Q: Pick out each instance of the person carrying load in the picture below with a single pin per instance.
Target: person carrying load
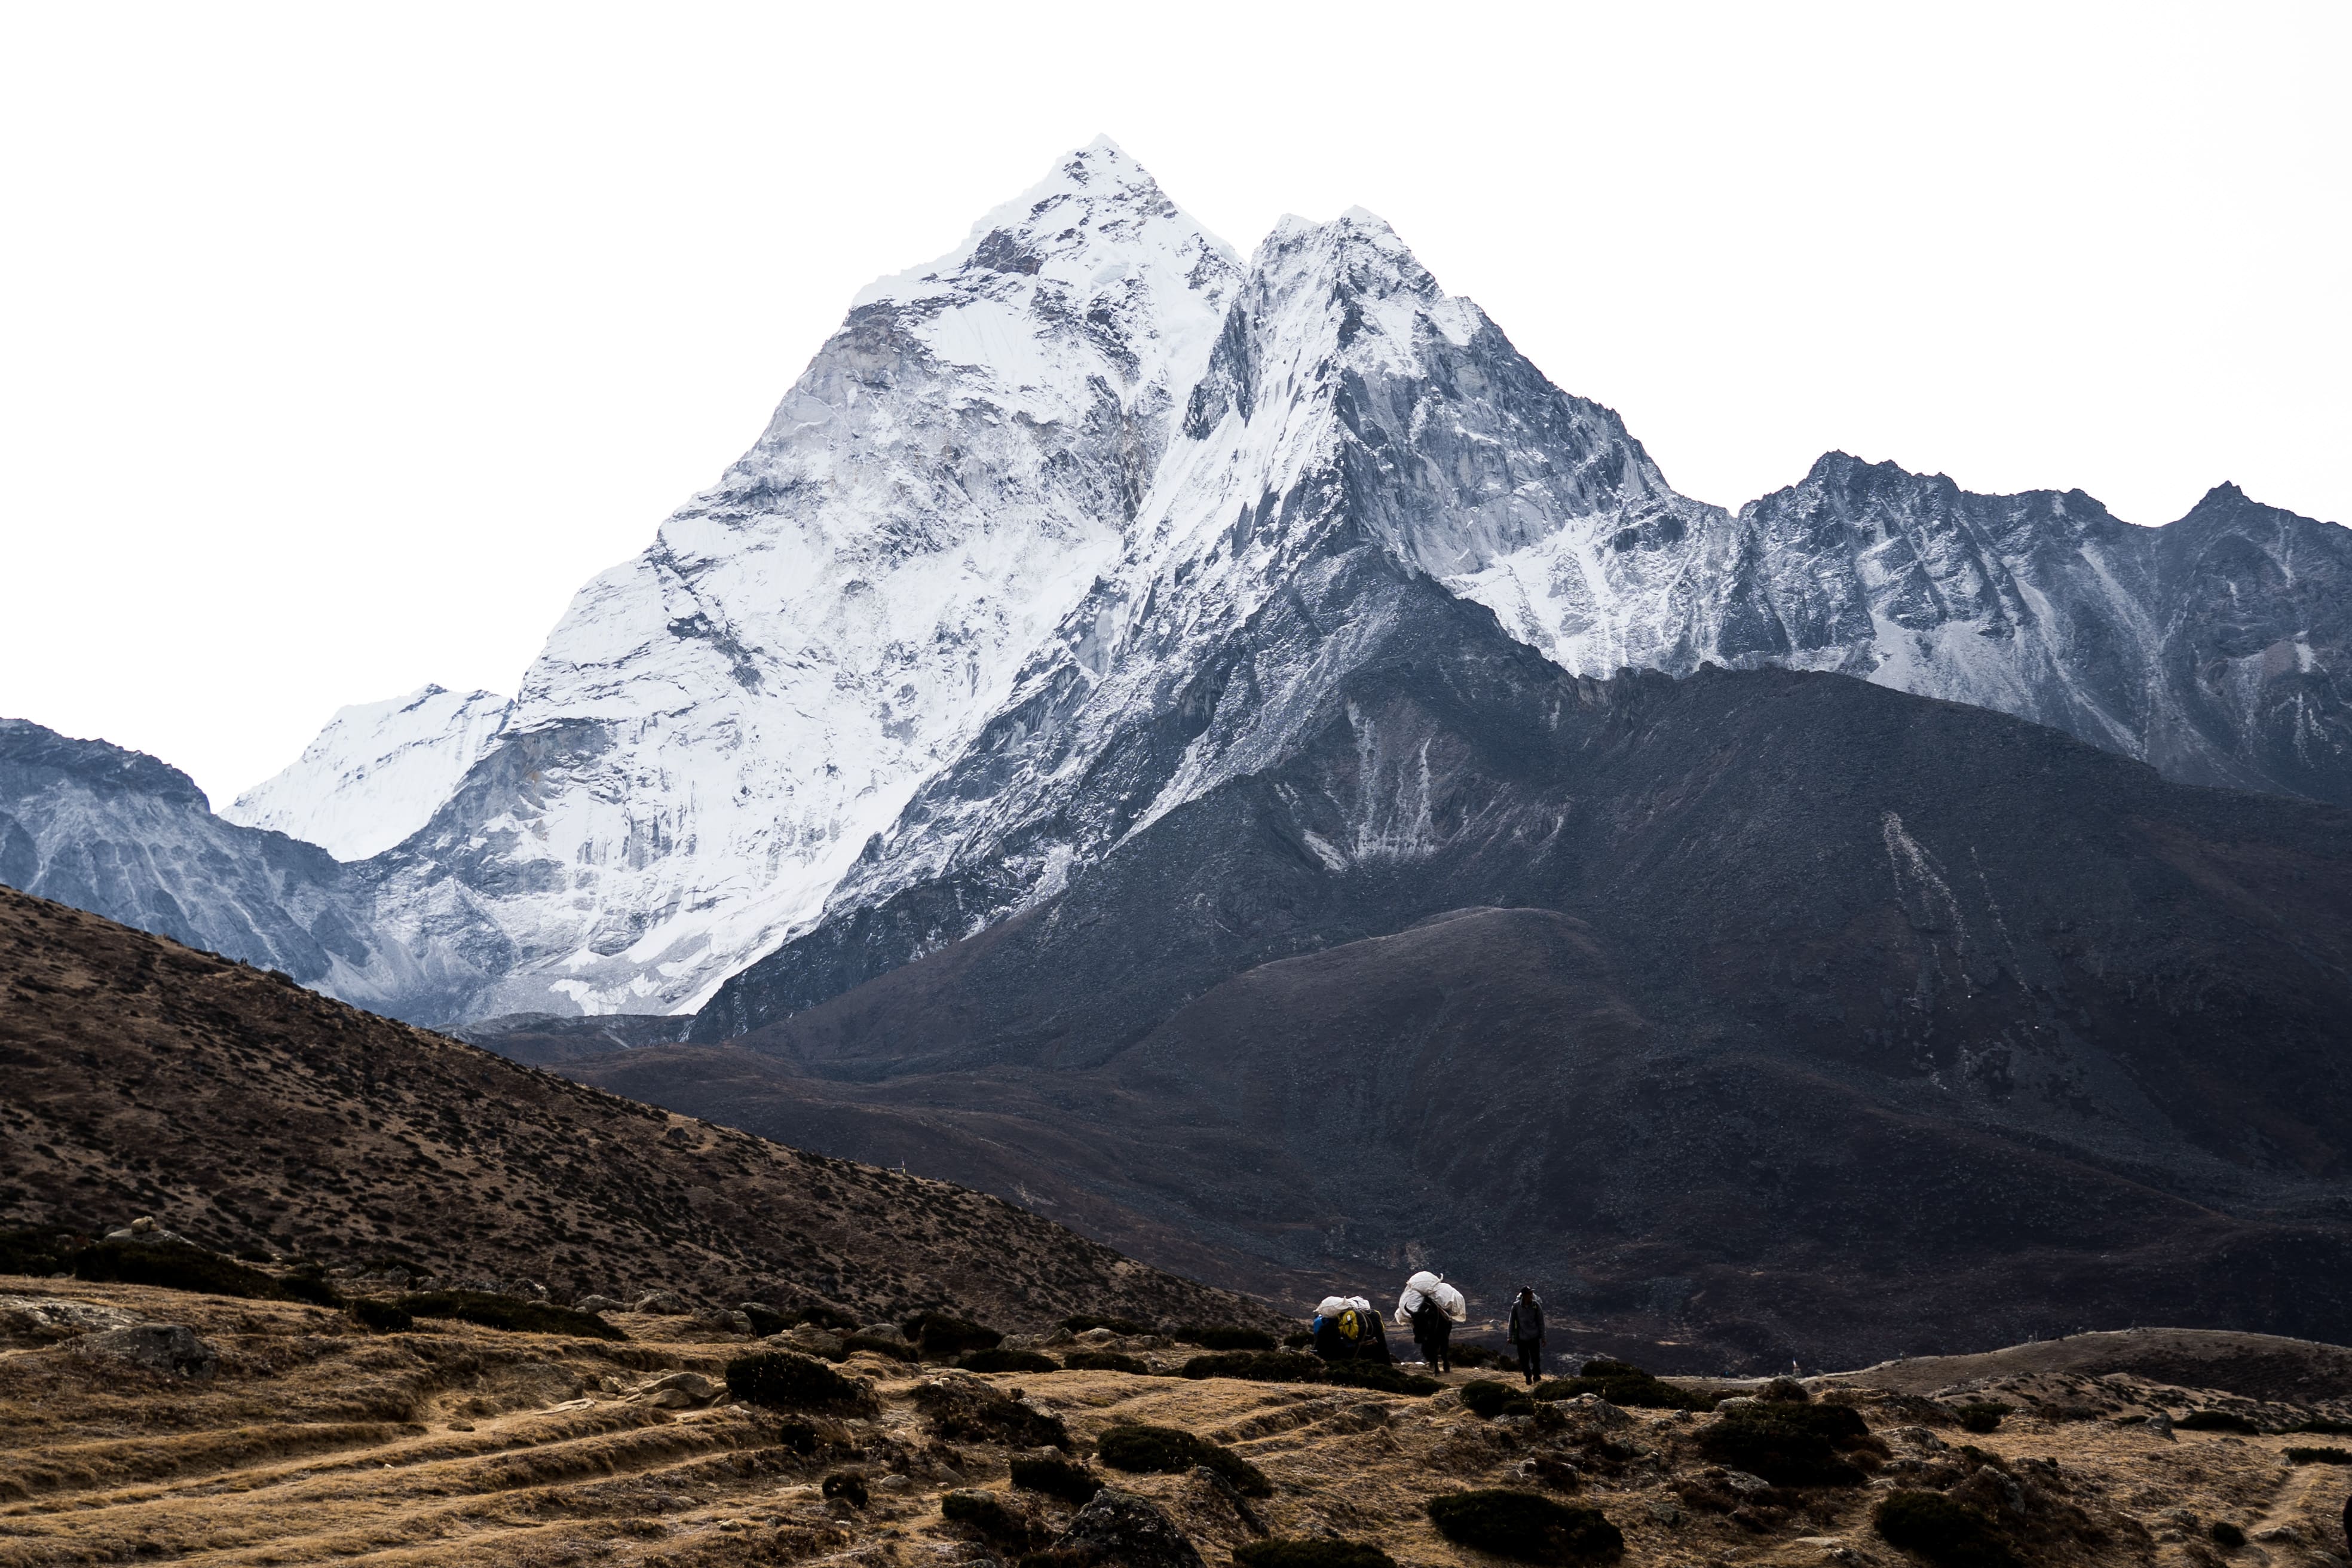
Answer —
(1347, 1328)
(1431, 1307)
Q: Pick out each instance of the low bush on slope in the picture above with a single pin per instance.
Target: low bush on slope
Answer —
(1167, 1451)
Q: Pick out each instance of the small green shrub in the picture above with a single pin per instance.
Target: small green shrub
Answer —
(171, 1267)
(1082, 1323)
(1167, 1451)
(2319, 1423)
(1001, 1360)
(309, 1283)
(382, 1317)
(896, 1350)
(966, 1410)
(1982, 1415)
(1525, 1526)
(2319, 1456)
(986, 1512)
(1788, 1445)
(1055, 1477)
(1105, 1361)
(1947, 1533)
(2227, 1536)
(943, 1338)
(1621, 1382)
(847, 1485)
(1258, 1366)
(507, 1314)
(1062, 1557)
(2217, 1421)
(1472, 1355)
(1227, 1339)
(784, 1380)
(1382, 1377)
(1488, 1399)
(1279, 1553)
(40, 1250)
(795, 1435)
(1297, 1340)
(823, 1317)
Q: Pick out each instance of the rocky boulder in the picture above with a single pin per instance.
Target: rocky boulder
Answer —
(165, 1348)
(1120, 1528)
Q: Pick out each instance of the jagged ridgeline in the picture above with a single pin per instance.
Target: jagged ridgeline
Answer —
(1039, 475)
(1164, 736)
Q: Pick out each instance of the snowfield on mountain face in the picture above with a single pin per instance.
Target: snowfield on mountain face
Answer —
(1356, 422)
(1048, 541)
(377, 772)
(716, 727)
(1351, 404)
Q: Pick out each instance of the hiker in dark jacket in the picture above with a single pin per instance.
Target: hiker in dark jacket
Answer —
(1527, 1334)
(1433, 1330)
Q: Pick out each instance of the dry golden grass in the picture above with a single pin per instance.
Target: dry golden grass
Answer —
(315, 1442)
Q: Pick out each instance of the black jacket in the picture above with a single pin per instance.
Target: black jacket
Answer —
(1527, 1322)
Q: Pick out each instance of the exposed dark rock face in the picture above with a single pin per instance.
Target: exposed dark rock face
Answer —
(1764, 1012)
(2213, 648)
(133, 838)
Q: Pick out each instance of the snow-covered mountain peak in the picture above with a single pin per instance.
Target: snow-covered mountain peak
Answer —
(1092, 252)
(376, 772)
(715, 727)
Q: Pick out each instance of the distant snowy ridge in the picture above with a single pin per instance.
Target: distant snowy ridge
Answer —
(1075, 523)
(1357, 427)
(377, 772)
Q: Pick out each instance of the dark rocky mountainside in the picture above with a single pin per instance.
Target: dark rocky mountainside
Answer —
(132, 837)
(244, 1112)
(1764, 1013)
(1306, 903)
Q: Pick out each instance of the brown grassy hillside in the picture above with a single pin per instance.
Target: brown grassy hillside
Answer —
(313, 1442)
(250, 1115)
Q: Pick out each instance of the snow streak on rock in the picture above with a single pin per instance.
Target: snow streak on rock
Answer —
(1356, 425)
(1079, 522)
(716, 727)
(122, 835)
(377, 772)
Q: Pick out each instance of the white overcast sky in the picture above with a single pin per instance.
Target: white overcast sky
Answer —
(339, 344)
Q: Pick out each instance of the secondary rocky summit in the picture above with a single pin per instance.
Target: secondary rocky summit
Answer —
(1089, 443)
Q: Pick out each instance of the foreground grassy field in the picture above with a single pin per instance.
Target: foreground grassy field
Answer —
(311, 1440)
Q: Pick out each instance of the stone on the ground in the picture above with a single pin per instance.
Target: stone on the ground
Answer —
(156, 1347)
(598, 1304)
(53, 1318)
(666, 1303)
(811, 1341)
(1120, 1528)
(680, 1389)
(145, 1231)
(726, 1319)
